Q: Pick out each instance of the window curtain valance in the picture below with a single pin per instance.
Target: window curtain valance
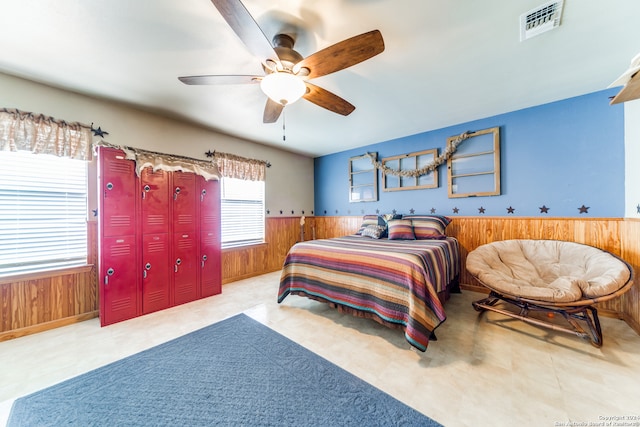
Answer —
(232, 166)
(40, 134)
(167, 162)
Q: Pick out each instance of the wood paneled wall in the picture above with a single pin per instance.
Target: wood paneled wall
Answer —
(41, 303)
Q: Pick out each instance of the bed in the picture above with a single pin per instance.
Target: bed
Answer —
(400, 283)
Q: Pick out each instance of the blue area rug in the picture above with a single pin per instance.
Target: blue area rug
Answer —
(237, 372)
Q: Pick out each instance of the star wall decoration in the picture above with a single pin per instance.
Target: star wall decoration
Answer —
(544, 209)
(98, 132)
(394, 211)
(510, 210)
(210, 153)
(378, 211)
(280, 212)
(433, 210)
(456, 210)
(268, 212)
(412, 211)
(638, 208)
(584, 209)
(481, 210)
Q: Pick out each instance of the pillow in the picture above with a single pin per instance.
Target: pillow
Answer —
(429, 226)
(401, 229)
(370, 220)
(374, 231)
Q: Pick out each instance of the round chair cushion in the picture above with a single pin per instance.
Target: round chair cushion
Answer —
(547, 270)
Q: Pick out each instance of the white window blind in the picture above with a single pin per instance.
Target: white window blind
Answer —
(43, 208)
(242, 212)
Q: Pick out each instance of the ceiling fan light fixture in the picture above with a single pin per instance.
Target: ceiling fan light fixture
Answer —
(283, 87)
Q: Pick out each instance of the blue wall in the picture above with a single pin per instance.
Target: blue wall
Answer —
(561, 155)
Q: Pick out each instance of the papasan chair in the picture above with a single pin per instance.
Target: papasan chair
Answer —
(552, 277)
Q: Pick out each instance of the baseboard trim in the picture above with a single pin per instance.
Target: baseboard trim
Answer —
(41, 327)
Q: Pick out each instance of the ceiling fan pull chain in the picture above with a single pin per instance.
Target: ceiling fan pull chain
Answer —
(284, 137)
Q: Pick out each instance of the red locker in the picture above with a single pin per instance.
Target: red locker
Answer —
(154, 187)
(210, 264)
(210, 254)
(185, 264)
(209, 205)
(118, 279)
(117, 193)
(184, 201)
(155, 272)
(159, 238)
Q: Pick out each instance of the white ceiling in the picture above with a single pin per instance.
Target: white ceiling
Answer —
(445, 62)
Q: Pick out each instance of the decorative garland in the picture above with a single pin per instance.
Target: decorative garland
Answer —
(446, 155)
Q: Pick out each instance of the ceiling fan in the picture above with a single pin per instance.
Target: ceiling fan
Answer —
(287, 73)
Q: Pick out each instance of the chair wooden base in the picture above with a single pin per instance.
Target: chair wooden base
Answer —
(574, 315)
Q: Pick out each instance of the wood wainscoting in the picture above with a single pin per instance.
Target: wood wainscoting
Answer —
(39, 303)
(616, 235)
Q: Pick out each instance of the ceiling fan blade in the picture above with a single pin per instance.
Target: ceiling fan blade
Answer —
(272, 111)
(219, 79)
(328, 100)
(342, 55)
(247, 29)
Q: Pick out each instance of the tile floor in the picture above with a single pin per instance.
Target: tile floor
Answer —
(483, 370)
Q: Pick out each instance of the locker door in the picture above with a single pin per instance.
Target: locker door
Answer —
(210, 264)
(184, 201)
(209, 205)
(185, 264)
(155, 201)
(155, 272)
(118, 280)
(117, 193)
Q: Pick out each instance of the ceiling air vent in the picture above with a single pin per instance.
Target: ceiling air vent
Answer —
(541, 19)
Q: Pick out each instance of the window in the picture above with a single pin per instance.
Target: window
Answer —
(242, 211)
(410, 162)
(474, 169)
(43, 207)
(363, 178)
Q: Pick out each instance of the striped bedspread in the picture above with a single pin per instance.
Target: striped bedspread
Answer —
(396, 280)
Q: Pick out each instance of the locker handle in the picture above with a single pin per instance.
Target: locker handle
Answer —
(175, 268)
(204, 258)
(175, 193)
(144, 274)
(204, 192)
(110, 272)
(146, 189)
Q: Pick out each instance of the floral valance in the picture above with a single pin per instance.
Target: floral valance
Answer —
(167, 162)
(232, 166)
(42, 134)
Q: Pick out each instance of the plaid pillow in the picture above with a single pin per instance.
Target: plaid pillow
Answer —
(429, 226)
(370, 220)
(401, 229)
(374, 231)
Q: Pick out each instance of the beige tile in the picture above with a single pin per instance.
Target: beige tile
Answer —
(484, 370)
